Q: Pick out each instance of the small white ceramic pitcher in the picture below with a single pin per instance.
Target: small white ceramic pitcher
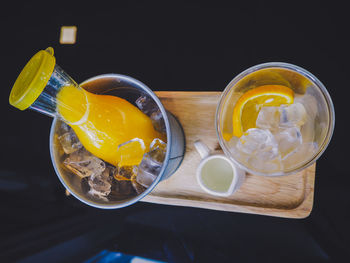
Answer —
(216, 174)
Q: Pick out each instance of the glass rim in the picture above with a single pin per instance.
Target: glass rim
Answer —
(294, 68)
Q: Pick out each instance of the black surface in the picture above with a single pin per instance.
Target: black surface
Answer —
(182, 46)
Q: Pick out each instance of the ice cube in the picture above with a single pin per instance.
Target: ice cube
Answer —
(237, 154)
(302, 154)
(288, 140)
(83, 163)
(268, 153)
(158, 121)
(310, 104)
(125, 173)
(157, 143)
(70, 142)
(292, 115)
(145, 177)
(137, 187)
(146, 105)
(263, 166)
(259, 149)
(157, 150)
(97, 194)
(256, 140)
(100, 184)
(63, 128)
(232, 146)
(150, 164)
(111, 169)
(268, 118)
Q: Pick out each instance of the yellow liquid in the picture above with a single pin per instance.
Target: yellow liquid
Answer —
(103, 122)
(217, 175)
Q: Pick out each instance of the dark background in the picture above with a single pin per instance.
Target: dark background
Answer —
(169, 46)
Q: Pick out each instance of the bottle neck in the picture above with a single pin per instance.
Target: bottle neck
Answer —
(61, 96)
(72, 105)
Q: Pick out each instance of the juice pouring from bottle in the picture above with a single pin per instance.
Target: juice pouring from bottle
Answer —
(101, 122)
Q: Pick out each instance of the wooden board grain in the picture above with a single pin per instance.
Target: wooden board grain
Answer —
(286, 196)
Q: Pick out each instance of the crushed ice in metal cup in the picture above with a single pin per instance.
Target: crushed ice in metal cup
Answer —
(158, 121)
(158, 150)
(125, 173)
(100, 184)
(63, 128)
(150, 108)
(84, 164)
(145, 178)
(138, 187)
(70, 142)
(97, 194)
(146, 105)
(157, 143)
(129, 174)
(107, 182)
(151, 163)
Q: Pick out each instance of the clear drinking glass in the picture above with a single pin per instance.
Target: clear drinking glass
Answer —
(308, 90)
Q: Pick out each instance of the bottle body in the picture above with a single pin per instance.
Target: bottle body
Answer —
(108, 122)
(101, 122)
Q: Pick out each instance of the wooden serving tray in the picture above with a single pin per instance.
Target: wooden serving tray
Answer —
(286, 196)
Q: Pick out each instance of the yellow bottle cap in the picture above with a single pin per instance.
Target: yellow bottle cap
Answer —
(33, 79)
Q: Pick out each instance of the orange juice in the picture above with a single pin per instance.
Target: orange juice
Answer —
(103, 122)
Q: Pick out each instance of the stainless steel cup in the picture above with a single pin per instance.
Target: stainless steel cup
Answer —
(131, 88)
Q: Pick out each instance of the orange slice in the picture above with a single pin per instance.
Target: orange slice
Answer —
(131, 153)
(249, 104)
